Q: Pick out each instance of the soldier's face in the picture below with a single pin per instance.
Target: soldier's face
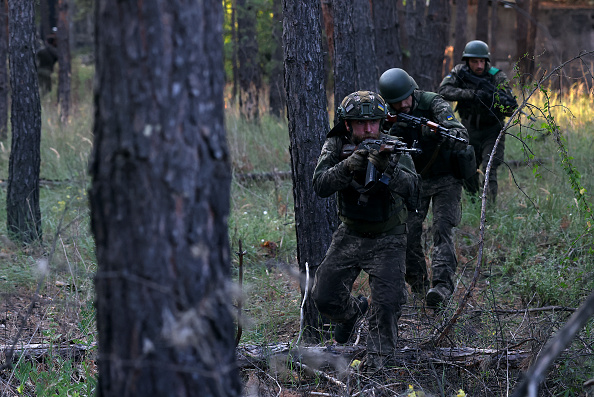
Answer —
(404, 106)
(364, 129)
(477, 65)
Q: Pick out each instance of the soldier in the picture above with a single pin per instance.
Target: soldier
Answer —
(372, 233)
(484, 100)
(47, 56)
(439, 186)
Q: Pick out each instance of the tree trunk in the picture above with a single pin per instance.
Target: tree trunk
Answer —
(249, 68)
(308, 125)
(160, 200)
(387, 35)
(277, 95)
(482, 20)
(235, 50)
(345, 73)
(493, 29)
(3, 70)
(22, 197)
(64, 60)
(460, 39)
(428, 30)
(364, 39)
(531, 37)
(522, 37)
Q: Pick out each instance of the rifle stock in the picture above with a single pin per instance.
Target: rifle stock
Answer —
(417, 122)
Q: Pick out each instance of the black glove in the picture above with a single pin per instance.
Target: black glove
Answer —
(485, 98)
(379, 160)
(357, 162)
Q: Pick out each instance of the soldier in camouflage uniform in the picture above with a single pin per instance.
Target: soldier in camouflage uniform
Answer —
(372, 233)
(480, 111)
(439, 186)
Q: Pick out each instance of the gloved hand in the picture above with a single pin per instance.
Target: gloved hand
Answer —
(379, 160)
(429, 133)
(357, 162)
(485, 98)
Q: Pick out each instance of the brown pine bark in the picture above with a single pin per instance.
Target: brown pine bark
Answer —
(159, 201)
(64, 60)
(22, 197)
(387, 34)
(3, 70)
(460, 38)
(315, 218)
(482, 21)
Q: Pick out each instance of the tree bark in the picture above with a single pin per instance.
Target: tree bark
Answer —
(235, 49)
(428, 32)
(277, 95)
(159, 201)
(460, 39)
(387, 35)
(64, 60)
(22, 197)
(365, 58)
(3, 70)
(493, 29)
(249, 67)
(315, 217)
(482, 20)
(522, 37)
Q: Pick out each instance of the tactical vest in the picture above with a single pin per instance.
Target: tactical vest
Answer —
(469, 110)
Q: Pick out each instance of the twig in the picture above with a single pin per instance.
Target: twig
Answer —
(531, 310)
(241, 253)
(322, 374)
(302, 314)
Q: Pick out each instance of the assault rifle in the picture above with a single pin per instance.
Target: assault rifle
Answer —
(504, 101)
(417, 122)
(382, 145)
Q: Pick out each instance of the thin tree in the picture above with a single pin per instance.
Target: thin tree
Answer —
(249, 73)
(460, 38)
(276, 96)
(3, 70)
(427, 26)
(308, 125)
(22, 197)
(64, 60)
(482, 21)
(160, 200)
(387, 34)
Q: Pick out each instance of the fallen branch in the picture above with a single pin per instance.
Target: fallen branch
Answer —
(36, 351)
(263, 176)
(531, 310)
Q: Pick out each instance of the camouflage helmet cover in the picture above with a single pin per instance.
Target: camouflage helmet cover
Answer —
(362, 105)
(396, 85)
(476, 49)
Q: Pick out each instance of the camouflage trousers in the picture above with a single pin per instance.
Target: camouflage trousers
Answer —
(382, 258)
(444, 193)
(483, 141)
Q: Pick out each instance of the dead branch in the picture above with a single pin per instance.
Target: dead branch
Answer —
(531, 310)
(263, 176)
(531, 383)
(37, 351)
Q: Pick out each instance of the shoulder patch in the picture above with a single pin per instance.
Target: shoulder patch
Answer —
(450, 117)
(493, 70)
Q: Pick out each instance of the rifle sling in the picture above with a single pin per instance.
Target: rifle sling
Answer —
(431, 161)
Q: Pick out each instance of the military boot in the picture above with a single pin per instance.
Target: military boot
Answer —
(437, 296)
(344, 330)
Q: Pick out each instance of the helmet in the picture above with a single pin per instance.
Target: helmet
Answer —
(396, 85)
(476, 49)
(362, 105)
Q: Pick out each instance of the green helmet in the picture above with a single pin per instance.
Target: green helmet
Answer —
(362, 105)
(396, 85)
(476, 49)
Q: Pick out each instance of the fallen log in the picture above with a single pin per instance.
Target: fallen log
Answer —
(37, 351)
(340, 356)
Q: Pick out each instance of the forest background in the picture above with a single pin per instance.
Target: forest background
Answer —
(536, 268)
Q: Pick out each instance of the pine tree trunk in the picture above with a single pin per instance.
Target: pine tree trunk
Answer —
(345, 72)
(460, 39)
(482, 20)
(364, 50)
(428, 31)
(160, 200)
(522, 38)
(3, 70)
(387, 35)
(22, 197)
(64, 60)
(308, 125)
(249, 67)
(277, 97)
(493, 28)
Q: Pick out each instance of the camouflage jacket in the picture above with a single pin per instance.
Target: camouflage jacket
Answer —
(436, 109)
(333, 176)
(454, 88)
